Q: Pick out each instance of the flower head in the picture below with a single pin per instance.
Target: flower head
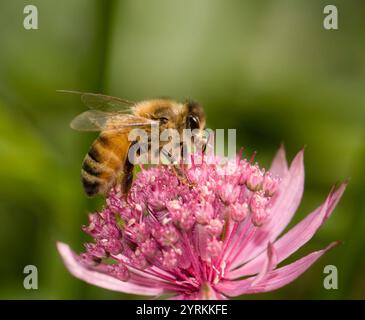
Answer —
(199, 241)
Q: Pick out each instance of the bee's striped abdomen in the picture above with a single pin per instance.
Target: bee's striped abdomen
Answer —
(90, 172)
(103, 162)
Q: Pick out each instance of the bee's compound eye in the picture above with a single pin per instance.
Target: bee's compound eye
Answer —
(193, 122)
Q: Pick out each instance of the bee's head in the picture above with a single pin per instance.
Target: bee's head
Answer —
(174, 115)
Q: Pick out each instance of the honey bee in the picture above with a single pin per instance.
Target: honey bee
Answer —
(106, 164)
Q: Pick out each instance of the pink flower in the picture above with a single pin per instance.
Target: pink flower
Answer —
(219, 238)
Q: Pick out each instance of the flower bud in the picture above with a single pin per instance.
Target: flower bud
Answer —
(215, 227)
(255, 178)
(239, 211)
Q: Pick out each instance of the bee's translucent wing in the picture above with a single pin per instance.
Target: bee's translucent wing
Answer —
(100, 101)
(95, 120)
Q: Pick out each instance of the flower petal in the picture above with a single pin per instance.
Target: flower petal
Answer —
(296, 237)
(286, 203)
(201, 241)
(100, 279)
(273, 280)
(268, 265)
(279, 165)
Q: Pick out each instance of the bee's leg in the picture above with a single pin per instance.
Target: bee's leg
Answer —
(176, 167)
(125, 179)
(180, 174)
(117, 187)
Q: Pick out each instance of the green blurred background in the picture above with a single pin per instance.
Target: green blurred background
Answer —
(267, 68)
